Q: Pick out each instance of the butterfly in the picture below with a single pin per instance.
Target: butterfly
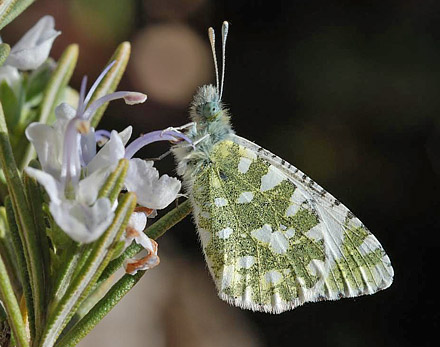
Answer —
(273, 239)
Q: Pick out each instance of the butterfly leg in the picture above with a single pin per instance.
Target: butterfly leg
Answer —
(182, 127)
(160, 157)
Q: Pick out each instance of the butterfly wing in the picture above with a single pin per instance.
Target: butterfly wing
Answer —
(273, 239)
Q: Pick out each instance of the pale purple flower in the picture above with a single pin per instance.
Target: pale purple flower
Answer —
(72, 171)
(30, 51)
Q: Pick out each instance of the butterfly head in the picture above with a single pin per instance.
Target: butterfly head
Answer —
(207, 106)
(211, 110)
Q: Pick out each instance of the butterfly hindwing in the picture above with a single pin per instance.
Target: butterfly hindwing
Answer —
(273, 239)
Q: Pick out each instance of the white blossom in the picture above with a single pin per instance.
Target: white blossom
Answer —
(34, 47)
(72, 172)
(29, 52)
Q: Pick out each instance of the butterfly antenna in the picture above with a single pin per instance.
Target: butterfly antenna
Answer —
(211, 35)
(225, 29)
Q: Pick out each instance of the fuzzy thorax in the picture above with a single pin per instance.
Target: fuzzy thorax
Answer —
(212, 125)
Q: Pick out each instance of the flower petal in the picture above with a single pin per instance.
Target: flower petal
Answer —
(89, 187)
(126, 134)
(49, 146)
(81, 222)
(137, 221)
(11, 75)
(145, 260)
(152, 192)
(109, 155)
(88, 147)
(63, 113)
(53, 188)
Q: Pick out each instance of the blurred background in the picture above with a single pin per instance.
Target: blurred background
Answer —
(348, 91)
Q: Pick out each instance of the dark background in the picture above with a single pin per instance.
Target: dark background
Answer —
(348, 91)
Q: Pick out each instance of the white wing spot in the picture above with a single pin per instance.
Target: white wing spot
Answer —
(247, 295)
(246, 262)
(271, 179)
(248, 153)
(245, 197)
(273, 276)
(244, 164)
(220, 202)
(263, 234)
(298, 196)
(290, 233)
(205, 236)
(317, 232)
(370, 244)
(227, 276)
(292, 210)
(224, 233)
(277, 241)
(205, 214)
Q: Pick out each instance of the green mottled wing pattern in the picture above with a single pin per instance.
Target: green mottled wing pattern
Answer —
(274, 239)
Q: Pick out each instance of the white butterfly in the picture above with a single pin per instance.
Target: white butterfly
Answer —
(272, 237)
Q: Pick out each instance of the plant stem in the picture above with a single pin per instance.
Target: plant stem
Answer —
(154, 232)
(100, 310)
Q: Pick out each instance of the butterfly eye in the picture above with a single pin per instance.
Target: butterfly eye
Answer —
(211, 110)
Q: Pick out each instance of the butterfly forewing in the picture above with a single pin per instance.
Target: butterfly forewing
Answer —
(274, 239)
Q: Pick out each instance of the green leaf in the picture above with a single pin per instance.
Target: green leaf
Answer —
(82, 285)
(4, 52)
(100, 310)
(20, 260)
(111, 80)
(24, 220)
(54, 89)
(115, 182)
(10, 105)
(9, 300)
(9, 9)
(35, 201)
(7, 252)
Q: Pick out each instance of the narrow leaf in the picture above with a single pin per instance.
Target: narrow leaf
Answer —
(9, 9)
(111, 80)
(20, 259)
(7, 252)
(9, 300)
(24, 220)
(4, 52)
(100, 310)
(35, 201)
